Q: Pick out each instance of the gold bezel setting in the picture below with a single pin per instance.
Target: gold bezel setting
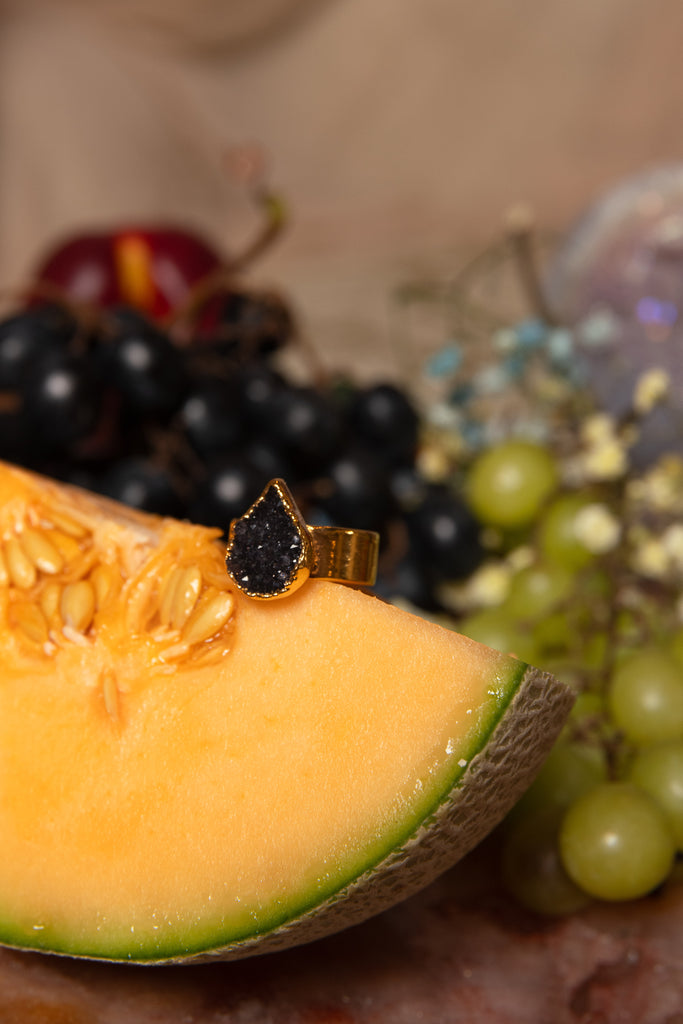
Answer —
(272, 552)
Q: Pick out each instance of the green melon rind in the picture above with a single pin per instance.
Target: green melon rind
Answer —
(502, 764)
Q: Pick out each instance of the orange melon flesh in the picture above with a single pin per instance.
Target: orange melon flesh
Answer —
(156, 805)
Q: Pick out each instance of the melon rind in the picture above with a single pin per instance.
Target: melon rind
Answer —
(491, 784)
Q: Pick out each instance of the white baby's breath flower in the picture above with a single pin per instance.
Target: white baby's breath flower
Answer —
(597, 528)
(606, 460)
(672, 542)
(551, 388)
(651, 387)
(520, 558)
(443, 415)
(662, 488)
(505, 339)
(599, 328)
(489, 585)
(491, 380)
(598, 427)
(650, 558)
(433, 463)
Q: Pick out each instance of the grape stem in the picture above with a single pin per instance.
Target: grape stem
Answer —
(522, 239)
(275, 219)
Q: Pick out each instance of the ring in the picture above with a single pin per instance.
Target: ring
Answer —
(272, 552)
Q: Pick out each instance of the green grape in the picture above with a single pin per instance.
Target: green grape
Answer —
(495, 628)
(588, 704)
(646, 697)
(554, 637)
(556, 532)
(659, 771)
(509, 483)
(538, 589)
(531, 868)
(616, 843)
(594, 650)
(570, 770)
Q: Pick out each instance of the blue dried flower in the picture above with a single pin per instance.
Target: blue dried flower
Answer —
(531, 334)
(445, 362)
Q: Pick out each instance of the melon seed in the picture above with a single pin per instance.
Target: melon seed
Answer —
(185, 595)
(168, 589)
(41, 552)
(140, 604)
(67, 546)
(77, 605)
(106, 583)
(210, 615)
(110, 692)
(31, 621)
(22, 571)
(49, 598)
(68, 525)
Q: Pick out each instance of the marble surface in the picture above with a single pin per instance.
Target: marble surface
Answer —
(458, 951)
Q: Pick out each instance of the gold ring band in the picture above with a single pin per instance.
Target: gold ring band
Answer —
(272, 551)
(344, 556)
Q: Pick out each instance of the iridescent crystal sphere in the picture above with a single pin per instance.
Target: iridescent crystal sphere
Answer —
(618, 279)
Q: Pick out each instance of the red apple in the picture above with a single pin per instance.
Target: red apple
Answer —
(153, 269)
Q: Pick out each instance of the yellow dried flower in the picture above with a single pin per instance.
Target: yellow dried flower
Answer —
(672, 542)
(521, 558)
(489, 585)
(598, 427)
(606, 460)
(661, 489)
(597, 528)
(651, 387)
(650, 558)
(433, 463)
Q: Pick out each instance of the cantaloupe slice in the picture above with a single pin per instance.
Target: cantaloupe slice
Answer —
(186, 772)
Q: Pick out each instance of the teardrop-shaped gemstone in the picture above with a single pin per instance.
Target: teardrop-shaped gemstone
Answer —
(267, 548)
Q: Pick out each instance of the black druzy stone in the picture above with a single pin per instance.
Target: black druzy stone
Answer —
(266, 545)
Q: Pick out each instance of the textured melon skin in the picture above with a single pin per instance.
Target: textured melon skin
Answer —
(492, 782)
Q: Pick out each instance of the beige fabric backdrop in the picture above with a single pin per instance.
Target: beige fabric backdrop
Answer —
(400, 130)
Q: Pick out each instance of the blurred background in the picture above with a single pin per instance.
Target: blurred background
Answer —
(400, 133)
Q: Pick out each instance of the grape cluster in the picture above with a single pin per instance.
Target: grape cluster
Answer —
(583, 576)
(195, 425)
